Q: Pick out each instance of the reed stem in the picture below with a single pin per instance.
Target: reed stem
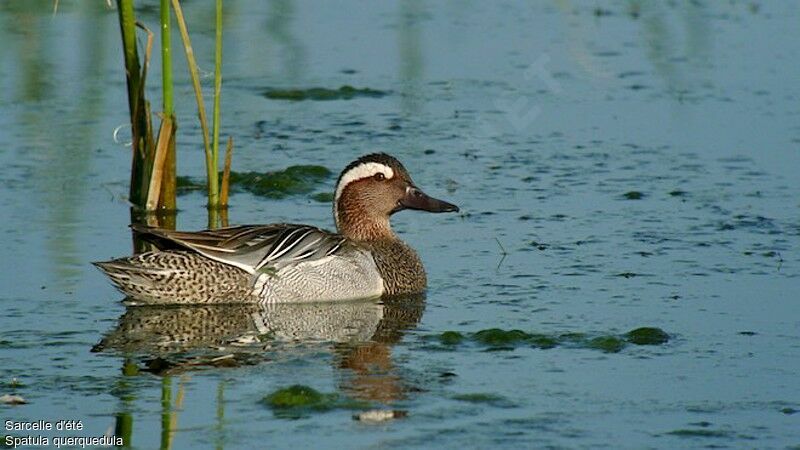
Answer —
(226, 175)
(217, 87)
(211, 163)
(167, 200)
(166, 59)
(159, 165)
(148, 143)
(139, 178)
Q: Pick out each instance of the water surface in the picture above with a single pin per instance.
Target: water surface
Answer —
(617, 167)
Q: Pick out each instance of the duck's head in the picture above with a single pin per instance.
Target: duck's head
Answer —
(372, 188)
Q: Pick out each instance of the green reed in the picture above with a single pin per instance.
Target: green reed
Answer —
(217, 88)
(168, 192)
(153, 169)
(139, 119)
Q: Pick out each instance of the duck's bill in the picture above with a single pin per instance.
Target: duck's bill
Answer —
(416, 199)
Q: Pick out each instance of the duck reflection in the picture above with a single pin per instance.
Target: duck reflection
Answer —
(360, 335)
(368, 368)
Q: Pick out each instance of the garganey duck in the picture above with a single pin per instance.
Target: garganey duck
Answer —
(289, 262)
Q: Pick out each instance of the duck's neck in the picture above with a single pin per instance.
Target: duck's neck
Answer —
(360, 225)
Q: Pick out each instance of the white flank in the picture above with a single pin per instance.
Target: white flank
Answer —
(360, 172)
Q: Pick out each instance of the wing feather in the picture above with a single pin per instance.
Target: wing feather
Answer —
(252, 247)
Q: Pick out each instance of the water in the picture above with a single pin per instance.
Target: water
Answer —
(543, 123)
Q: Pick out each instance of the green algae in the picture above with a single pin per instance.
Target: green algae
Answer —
(184, 185)
(323, 197)
(633, 195)
(322, 94)
(299, 396)
(572, 337)
(647, 336)
(607, 344)
(298, 401)
(543, 341)
(451, 338)
(294, 180)
(688, 432)
(499, 339)
(496, 337)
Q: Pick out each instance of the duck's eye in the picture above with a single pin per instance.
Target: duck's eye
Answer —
(380, 176)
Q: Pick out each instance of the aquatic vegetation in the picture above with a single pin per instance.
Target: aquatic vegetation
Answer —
(499, 339)
(294, 180)
(323, 197)
(633, 195)
(211, 150)
(542, 341)
(572, 337)
(142, 143)
(300, 396)
(297, 401)
(322, 94)
(608, 344)
(700, 432)
(451, 338)
(647, 336)
(153, 174)
(495, 337)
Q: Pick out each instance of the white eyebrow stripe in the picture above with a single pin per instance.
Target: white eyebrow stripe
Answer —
(359, 172)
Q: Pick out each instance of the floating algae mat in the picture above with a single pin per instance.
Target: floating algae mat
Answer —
(294, 180)
(298, 401)
(322, 94)
(633, 195)
(451, 338)
(323, 197)
(499, 339)
(647, 336)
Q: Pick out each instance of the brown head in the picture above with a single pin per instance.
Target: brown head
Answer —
(370, 190)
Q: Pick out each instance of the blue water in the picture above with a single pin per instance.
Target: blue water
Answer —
(535, 120)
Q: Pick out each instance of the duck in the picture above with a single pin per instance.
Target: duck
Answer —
(285, 262)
